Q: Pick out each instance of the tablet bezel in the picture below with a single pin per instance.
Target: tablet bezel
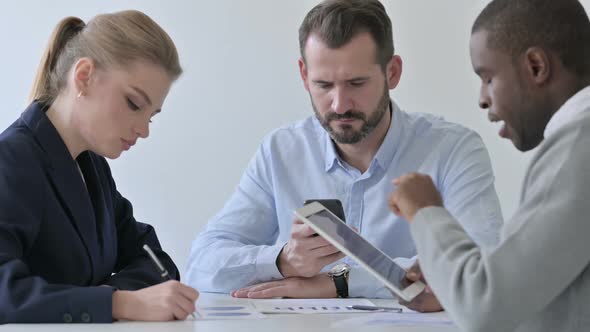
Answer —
(406, 294)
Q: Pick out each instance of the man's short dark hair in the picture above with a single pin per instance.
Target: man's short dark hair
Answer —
(559, 26)
(336, 22)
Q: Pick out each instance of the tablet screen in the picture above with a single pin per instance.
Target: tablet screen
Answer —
(359, 247)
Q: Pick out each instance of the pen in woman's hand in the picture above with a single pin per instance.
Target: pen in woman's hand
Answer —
(159, 266)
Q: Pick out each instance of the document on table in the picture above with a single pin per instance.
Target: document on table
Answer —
(215, 312)
(407, 317)
(308, 306)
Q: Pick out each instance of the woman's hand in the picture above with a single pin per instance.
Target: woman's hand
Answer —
(163, 302)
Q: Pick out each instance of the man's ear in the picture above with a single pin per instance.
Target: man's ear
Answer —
(303, 73)
(393, 71)
(83, 73)
(537, 65)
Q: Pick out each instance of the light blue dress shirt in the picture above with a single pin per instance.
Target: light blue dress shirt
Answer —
(240, 245)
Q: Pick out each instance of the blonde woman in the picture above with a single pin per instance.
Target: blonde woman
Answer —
(70, 248)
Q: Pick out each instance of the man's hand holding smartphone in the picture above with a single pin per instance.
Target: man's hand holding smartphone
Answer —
(305, 254)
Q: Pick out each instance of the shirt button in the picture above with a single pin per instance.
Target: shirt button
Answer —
(85, 317)
(67, 318)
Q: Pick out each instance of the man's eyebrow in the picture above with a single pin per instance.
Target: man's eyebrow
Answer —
(360, 78)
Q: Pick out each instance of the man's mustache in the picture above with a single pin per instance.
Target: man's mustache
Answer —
(348, 115)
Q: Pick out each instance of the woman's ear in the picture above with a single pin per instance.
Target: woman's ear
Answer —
(83, 71)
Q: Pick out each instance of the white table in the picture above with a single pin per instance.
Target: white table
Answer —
(272, 323)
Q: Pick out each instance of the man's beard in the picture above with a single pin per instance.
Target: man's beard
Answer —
(346, 134)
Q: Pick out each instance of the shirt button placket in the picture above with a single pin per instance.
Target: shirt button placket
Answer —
(356, 199)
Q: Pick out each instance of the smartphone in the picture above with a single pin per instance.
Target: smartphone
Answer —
(333, 205)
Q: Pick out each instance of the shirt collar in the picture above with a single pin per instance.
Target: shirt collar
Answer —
(332, 157)
(386, 151)
(49, 139)
(578, 103)
(392, 139)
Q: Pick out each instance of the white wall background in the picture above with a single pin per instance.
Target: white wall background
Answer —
(241, 81)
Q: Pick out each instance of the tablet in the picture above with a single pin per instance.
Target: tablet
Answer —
(326, 224)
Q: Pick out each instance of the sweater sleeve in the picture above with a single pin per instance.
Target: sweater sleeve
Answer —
(541, 254)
